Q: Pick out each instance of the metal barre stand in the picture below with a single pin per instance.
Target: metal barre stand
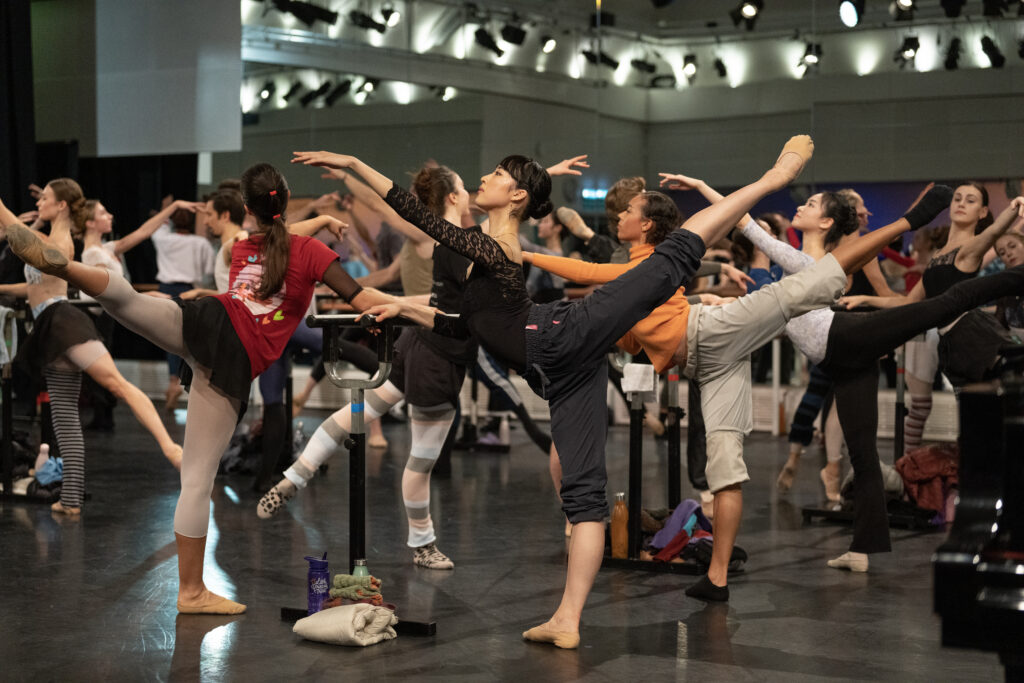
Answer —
(636, 427)
(356, 442)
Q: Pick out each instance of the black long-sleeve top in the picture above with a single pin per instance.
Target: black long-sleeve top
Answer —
(495, 305)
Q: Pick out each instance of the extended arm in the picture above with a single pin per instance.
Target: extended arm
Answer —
(877, 280)
(575, 270)
(146, 230)
(780, 252)
(969, 257)
(383, 276)
(364, 194)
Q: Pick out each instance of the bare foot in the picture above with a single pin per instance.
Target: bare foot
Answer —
(60, 509)
(208, 603)
(559, 635)
(795, 155)
(172, 395)
(173, 454)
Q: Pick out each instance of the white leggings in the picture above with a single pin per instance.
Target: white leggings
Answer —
(211, 413)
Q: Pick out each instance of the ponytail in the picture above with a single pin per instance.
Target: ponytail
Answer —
(265, 192)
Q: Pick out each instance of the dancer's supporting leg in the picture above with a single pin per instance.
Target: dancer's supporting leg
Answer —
(801, 431)
(602, 318)
(834, 442)
(63, 386)
(327, 439)
(208, 428)
(430, 426)
(857, 407)
(922, 362)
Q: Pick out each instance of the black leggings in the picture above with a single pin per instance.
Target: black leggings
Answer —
(855, 342)
(566, 343)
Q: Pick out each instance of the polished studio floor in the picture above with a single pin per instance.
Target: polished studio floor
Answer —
(94, 599)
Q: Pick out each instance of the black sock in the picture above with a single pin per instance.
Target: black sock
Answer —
(934, 202)
(705, 590)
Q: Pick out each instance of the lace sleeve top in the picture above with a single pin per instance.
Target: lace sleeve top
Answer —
(494, 304)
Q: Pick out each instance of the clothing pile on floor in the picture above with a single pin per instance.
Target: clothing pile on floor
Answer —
(356, 614)
(685, 536)
(931, 478)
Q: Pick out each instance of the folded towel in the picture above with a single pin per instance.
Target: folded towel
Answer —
(357, 625)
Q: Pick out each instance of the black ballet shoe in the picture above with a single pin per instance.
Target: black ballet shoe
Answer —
(705, 590)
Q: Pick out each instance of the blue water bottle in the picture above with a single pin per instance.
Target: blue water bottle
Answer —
(318, 584)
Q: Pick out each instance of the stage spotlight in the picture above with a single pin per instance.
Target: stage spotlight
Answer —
(306, 12)
(663, 81)
(267, 91)
(902, 10)
(308, 98)
(391, 16)
(513, 34)
(850, 12)
(339, 91)
(365, 21)
(690, 66)
(992, 51)
(548, 44)
(293, 91)
(994, 8)
(907, 51)
(812, 55)
(644, 65)
(720, 68)
(746, 13)
(485, 40)
(369, 85)
(952, 8)
(953, 54)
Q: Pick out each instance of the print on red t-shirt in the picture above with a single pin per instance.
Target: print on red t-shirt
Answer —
(265, 325)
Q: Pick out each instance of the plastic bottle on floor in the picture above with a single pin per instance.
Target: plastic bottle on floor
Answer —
(318, 584)
(620, 527)
(44, 455)
(360, 568)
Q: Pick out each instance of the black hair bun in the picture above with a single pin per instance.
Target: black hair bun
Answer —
(542, 210)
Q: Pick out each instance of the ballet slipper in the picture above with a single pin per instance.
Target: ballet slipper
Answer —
(174, 456)
(210, 603)
(785, 480)
(567, 640)
(31, 249)
(59, 508)
(855, 562)
(797, 151)
(377, 441)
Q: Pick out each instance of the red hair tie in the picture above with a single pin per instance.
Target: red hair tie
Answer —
(276, 216)
(273, 192)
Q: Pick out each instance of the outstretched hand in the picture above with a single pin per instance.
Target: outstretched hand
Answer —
(568, 166)
(35, 190)
(325, 159)
(335, 226)
(677, 181)
(734, 274)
